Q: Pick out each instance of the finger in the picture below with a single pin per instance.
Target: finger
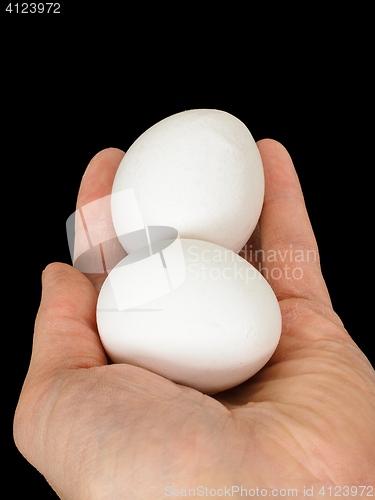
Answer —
(290, 258)
(96, 247)
(65, 329)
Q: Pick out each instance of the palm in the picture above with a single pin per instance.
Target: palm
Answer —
(119, 431)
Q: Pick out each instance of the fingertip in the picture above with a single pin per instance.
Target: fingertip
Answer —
(65, 328)
(275, 151)
(280, 174)
(49, 271)
(57, 272)
(272, 144)
(106, 152)
(112, 156)
(54, 267)
(63, 286)
(99, 175)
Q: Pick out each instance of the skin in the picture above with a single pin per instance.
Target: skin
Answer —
(102, 431)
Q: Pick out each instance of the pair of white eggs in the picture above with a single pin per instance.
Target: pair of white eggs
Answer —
(183, 304)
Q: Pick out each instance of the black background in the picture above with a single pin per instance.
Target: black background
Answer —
(67, 95)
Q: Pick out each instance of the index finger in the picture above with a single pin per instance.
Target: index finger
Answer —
(290, 257)
(96, 246)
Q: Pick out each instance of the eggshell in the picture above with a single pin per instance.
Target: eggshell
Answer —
(198, 171)
(191, 311)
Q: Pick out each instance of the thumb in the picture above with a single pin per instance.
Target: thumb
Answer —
(65, 333)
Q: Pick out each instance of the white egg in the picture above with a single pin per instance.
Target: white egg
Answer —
(199, 172)
(191, 311)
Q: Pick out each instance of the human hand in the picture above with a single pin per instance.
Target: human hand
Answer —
(102, 431)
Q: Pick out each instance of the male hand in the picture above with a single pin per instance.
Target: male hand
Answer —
(103, 431)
